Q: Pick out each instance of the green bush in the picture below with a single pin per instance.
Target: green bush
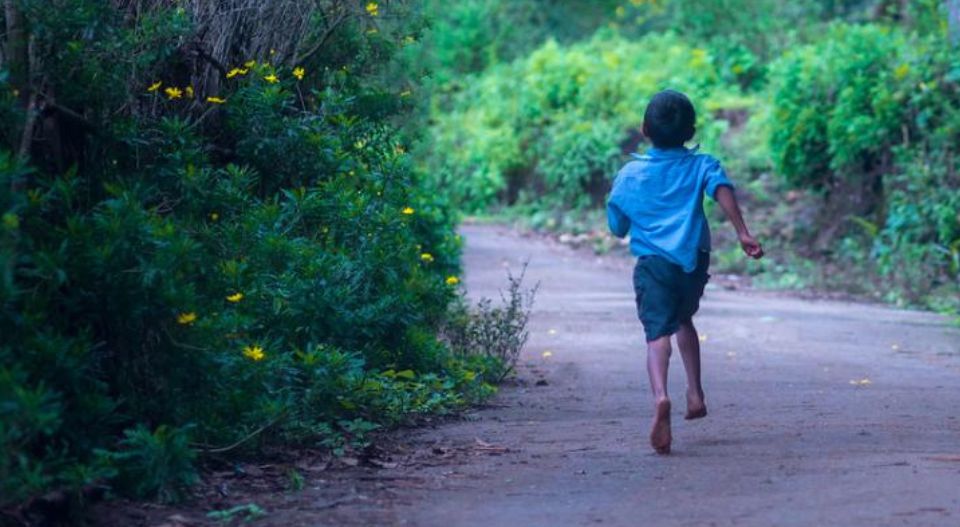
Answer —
(836, 107)
(468, 36)
(868, 118)
(549, 127)
(497, 332)
(212, 240)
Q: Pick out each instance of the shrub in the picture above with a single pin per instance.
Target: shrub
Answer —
(496, 334)
(836, 116)
(553, 126)
(213, 241)
(867, 117)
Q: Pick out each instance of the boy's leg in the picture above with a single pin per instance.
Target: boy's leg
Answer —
(689, 343)
(658, 360)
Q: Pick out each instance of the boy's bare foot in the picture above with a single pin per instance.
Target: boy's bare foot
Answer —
(660, 433)
(696, 408)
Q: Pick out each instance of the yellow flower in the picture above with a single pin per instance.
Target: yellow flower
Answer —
(173, 93)
(272, 79)
(452, 280)
(236, 297)
(408, 211)
(155, 86)
(249, 64)
(186, 318)
(299, 72)
(237, 71)
(426, 257)
(189, 91)
(254, 352)
(214, 216)
(373, 9)
(215, 100)
(405, 93)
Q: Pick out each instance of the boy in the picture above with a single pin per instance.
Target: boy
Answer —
(658, 199)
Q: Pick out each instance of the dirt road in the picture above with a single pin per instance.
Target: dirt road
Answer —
(821, 413)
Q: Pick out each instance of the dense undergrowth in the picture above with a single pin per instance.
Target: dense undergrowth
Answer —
(838, 122)
(213, 240)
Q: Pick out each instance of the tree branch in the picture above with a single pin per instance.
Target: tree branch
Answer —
(341, 18)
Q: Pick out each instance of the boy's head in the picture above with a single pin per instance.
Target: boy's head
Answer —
(670, 119)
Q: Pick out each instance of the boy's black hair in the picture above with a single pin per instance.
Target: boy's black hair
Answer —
(670, 120)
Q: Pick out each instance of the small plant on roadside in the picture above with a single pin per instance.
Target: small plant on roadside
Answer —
(494, 332)
(295, 480)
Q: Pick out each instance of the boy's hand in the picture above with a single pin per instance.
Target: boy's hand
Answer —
(751, 246)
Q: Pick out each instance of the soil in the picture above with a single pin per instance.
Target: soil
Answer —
(820, 413)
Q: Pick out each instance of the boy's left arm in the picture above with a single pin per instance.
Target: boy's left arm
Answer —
(721, 189)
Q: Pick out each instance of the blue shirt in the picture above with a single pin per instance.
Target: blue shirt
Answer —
(658, 199)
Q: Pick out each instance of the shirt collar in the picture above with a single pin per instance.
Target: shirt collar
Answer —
(667, 153)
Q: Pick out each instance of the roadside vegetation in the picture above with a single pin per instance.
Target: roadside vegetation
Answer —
(213, 241)
(838, 121)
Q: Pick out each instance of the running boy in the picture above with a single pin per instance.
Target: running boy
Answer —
(658, 199)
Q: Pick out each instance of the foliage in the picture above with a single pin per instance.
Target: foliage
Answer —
(837, 119)
(212, 239)
(851, 75)
(868, 116)
(155, 464)
(469, 36)
(498, 333)
(552, 127)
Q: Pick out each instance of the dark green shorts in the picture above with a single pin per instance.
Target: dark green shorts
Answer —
(667, 296)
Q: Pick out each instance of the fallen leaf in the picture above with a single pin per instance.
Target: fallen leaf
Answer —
(547, 354)
(703, 338)
(861, 382)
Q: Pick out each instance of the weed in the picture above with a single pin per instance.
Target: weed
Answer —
(495, 332)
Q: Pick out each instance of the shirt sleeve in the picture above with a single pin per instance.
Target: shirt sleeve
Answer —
(715, 177)
(618, 222)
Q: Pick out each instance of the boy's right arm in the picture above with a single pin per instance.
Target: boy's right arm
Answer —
(728, 202)
(618, 222)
